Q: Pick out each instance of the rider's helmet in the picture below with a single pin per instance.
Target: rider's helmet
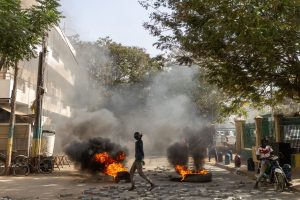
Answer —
(137, 135)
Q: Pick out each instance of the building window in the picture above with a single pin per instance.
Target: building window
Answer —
(21, 85)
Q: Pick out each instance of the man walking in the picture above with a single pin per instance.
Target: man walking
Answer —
(139, 162)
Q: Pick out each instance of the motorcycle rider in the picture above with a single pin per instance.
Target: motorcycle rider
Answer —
(263, 153)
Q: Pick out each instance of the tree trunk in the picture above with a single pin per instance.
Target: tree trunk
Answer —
(11, 121)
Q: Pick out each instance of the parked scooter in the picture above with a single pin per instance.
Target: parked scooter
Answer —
(275, 175)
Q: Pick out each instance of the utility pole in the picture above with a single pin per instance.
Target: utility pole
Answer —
(37, 134)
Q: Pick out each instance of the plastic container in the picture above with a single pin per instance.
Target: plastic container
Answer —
(227, 159)
(48, 140)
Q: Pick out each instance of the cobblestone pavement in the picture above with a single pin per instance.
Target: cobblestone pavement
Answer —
(73, 185)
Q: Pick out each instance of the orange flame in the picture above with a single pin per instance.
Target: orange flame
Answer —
(120, 157)
(183, 171)
(111, 166)
(114, 168)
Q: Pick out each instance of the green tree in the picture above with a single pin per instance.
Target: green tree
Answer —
(250, 49)
(132, 63)
(21, 33)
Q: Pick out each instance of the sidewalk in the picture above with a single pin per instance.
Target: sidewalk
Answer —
(251, 174)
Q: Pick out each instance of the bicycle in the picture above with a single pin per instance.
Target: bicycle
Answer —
(22, 165)
(42, 164)
(2, 164)
(19, 164)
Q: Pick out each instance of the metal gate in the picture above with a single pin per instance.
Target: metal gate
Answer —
(267, 128)
(290, 127)
(249, 135)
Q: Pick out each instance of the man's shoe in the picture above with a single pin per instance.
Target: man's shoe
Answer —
(152, 187)
(132, 188)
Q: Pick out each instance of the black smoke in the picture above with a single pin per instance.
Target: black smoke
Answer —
(178, 153)
(82, 153)
(197, 150)
(194, 144)
(198, 141)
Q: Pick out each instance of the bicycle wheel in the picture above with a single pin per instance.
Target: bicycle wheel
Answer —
(279, 182)
(46, 165)
(2, 166)
(20, 165)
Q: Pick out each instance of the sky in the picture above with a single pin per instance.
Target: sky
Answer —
(121, 20)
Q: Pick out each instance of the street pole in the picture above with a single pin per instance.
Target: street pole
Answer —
(37, 134)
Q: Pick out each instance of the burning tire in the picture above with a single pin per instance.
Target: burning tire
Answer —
(188, 175)
(122, 176)
(198, 177)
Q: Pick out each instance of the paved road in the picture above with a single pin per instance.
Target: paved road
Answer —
(70, 184)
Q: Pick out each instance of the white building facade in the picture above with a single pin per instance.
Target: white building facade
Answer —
(59, 80)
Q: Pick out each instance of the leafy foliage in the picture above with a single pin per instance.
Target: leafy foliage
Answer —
(250, 49)
(21, 29)
(21, 32)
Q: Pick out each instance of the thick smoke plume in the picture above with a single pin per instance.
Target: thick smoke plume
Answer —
(193, 144)
(161, 108)
(82, 153)
(197, 149)
(178, 153)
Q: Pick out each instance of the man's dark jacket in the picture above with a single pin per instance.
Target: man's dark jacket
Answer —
(139, 152)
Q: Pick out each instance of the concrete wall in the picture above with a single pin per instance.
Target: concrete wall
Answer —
(22, 138)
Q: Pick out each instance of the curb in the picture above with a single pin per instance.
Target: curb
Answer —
(249, 175)
(245, 173)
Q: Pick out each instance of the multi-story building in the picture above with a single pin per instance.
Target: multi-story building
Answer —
(59, 79)
(60, 68)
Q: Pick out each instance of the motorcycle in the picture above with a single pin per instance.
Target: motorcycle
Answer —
(274, 174)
